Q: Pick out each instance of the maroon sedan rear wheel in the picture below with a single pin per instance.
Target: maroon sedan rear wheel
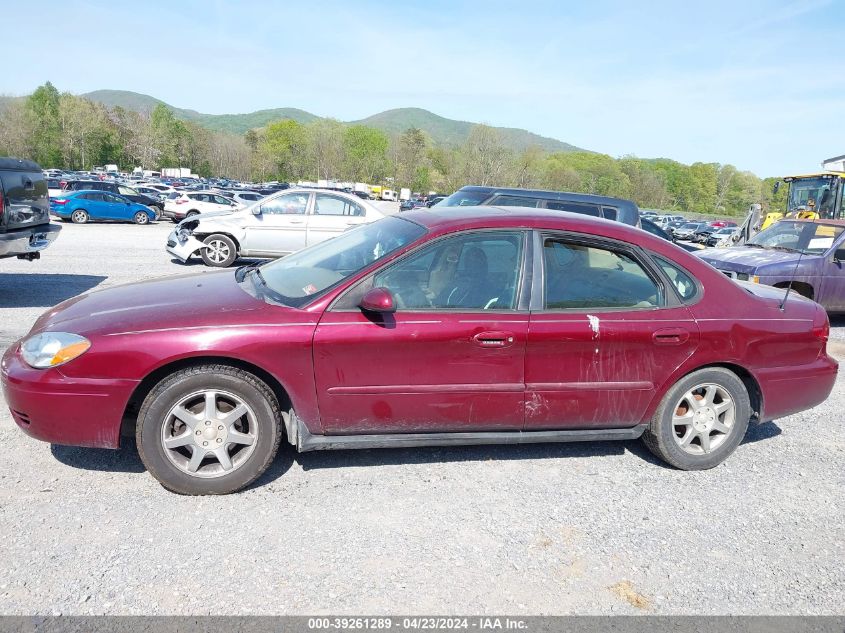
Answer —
(701, 420)
(211, 429)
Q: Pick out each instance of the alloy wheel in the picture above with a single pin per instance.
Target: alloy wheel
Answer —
(217, 251)
(703, 418)
(209, 433)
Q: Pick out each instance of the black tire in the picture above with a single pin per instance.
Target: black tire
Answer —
(141, 217)
(192, 212)
(661, 433)
(152, 417)
(223, 244)
(79, 216)
(157, 210)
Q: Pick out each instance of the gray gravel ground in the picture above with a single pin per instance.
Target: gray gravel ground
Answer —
(600, 528)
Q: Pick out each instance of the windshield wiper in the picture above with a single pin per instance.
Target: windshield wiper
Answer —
(754, 245)
(241, 271)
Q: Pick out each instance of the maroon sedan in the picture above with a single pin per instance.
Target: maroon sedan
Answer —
(439, 327)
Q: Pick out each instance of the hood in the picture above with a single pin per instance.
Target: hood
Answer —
(746, 259)
(170, 302)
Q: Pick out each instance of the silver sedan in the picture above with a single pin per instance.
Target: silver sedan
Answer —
(273, 227)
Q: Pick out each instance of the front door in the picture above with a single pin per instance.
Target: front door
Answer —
(831, 292)
(280, 228)
(451, 358)
(603, 331)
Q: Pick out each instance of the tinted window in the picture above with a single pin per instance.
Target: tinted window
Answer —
(332, 205)
(464, 199)
(587, 277)
(611, 213)
(126, 191)
(574, 207)
(682, 282)
(222, 200)
(477, 271)
(514, 201)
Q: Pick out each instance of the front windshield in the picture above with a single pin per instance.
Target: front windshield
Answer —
(464, 199)
(802, 237)
(813, 194)
(297, 278)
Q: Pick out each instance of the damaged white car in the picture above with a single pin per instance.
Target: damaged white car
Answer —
(273, 227)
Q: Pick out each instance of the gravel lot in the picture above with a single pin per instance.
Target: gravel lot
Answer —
(598, 528)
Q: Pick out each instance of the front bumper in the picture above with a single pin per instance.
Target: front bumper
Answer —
(52, 407)
(182, 247)
(28, 240)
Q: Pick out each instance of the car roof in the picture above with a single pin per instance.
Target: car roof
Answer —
(547, 194)
(447, 219)
(78, 191)
(12, 163)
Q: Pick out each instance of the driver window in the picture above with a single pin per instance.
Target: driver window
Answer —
(578, 276)
(478, 271)
(289, 204)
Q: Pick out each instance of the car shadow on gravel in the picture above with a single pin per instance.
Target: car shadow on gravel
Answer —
(42, 290)
(761, 431)
(197, 261)
(123, 460)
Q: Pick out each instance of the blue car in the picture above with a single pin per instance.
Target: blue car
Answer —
(90, 205)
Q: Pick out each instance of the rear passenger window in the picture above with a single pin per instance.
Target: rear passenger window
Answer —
(331, 205)
(574, 207)
(514, 201)
(610, 213)
(578, 276)
(682, 282)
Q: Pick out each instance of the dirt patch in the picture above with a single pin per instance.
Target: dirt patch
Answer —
(626, 591)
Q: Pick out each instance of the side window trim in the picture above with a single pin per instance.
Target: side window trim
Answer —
(538, 300)
(699, 288)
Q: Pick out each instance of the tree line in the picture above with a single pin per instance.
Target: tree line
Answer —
(66, 131)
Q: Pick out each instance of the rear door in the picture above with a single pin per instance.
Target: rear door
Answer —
(605, 332)
(331, 216)
(281, 226)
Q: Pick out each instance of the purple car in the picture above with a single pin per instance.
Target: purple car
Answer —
(809, 253)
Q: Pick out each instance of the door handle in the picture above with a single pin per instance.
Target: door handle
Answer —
(670, 336)
(297, 221)
(493, 339)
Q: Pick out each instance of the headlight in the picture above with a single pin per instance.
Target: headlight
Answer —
(51, 349)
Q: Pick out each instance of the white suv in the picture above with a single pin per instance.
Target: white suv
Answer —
(275, 226)
(185, 204)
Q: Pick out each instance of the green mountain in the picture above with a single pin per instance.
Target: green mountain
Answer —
(442, 130)
(451, 132)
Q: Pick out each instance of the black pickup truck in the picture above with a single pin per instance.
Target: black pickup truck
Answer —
(25, 228)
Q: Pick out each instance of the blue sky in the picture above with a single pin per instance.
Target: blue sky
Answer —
(754, 83)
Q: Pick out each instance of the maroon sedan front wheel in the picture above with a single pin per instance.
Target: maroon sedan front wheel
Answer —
(212, 429)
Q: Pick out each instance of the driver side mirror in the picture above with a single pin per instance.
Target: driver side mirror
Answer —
(256, 210)
(839, 255)
(378, 300)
